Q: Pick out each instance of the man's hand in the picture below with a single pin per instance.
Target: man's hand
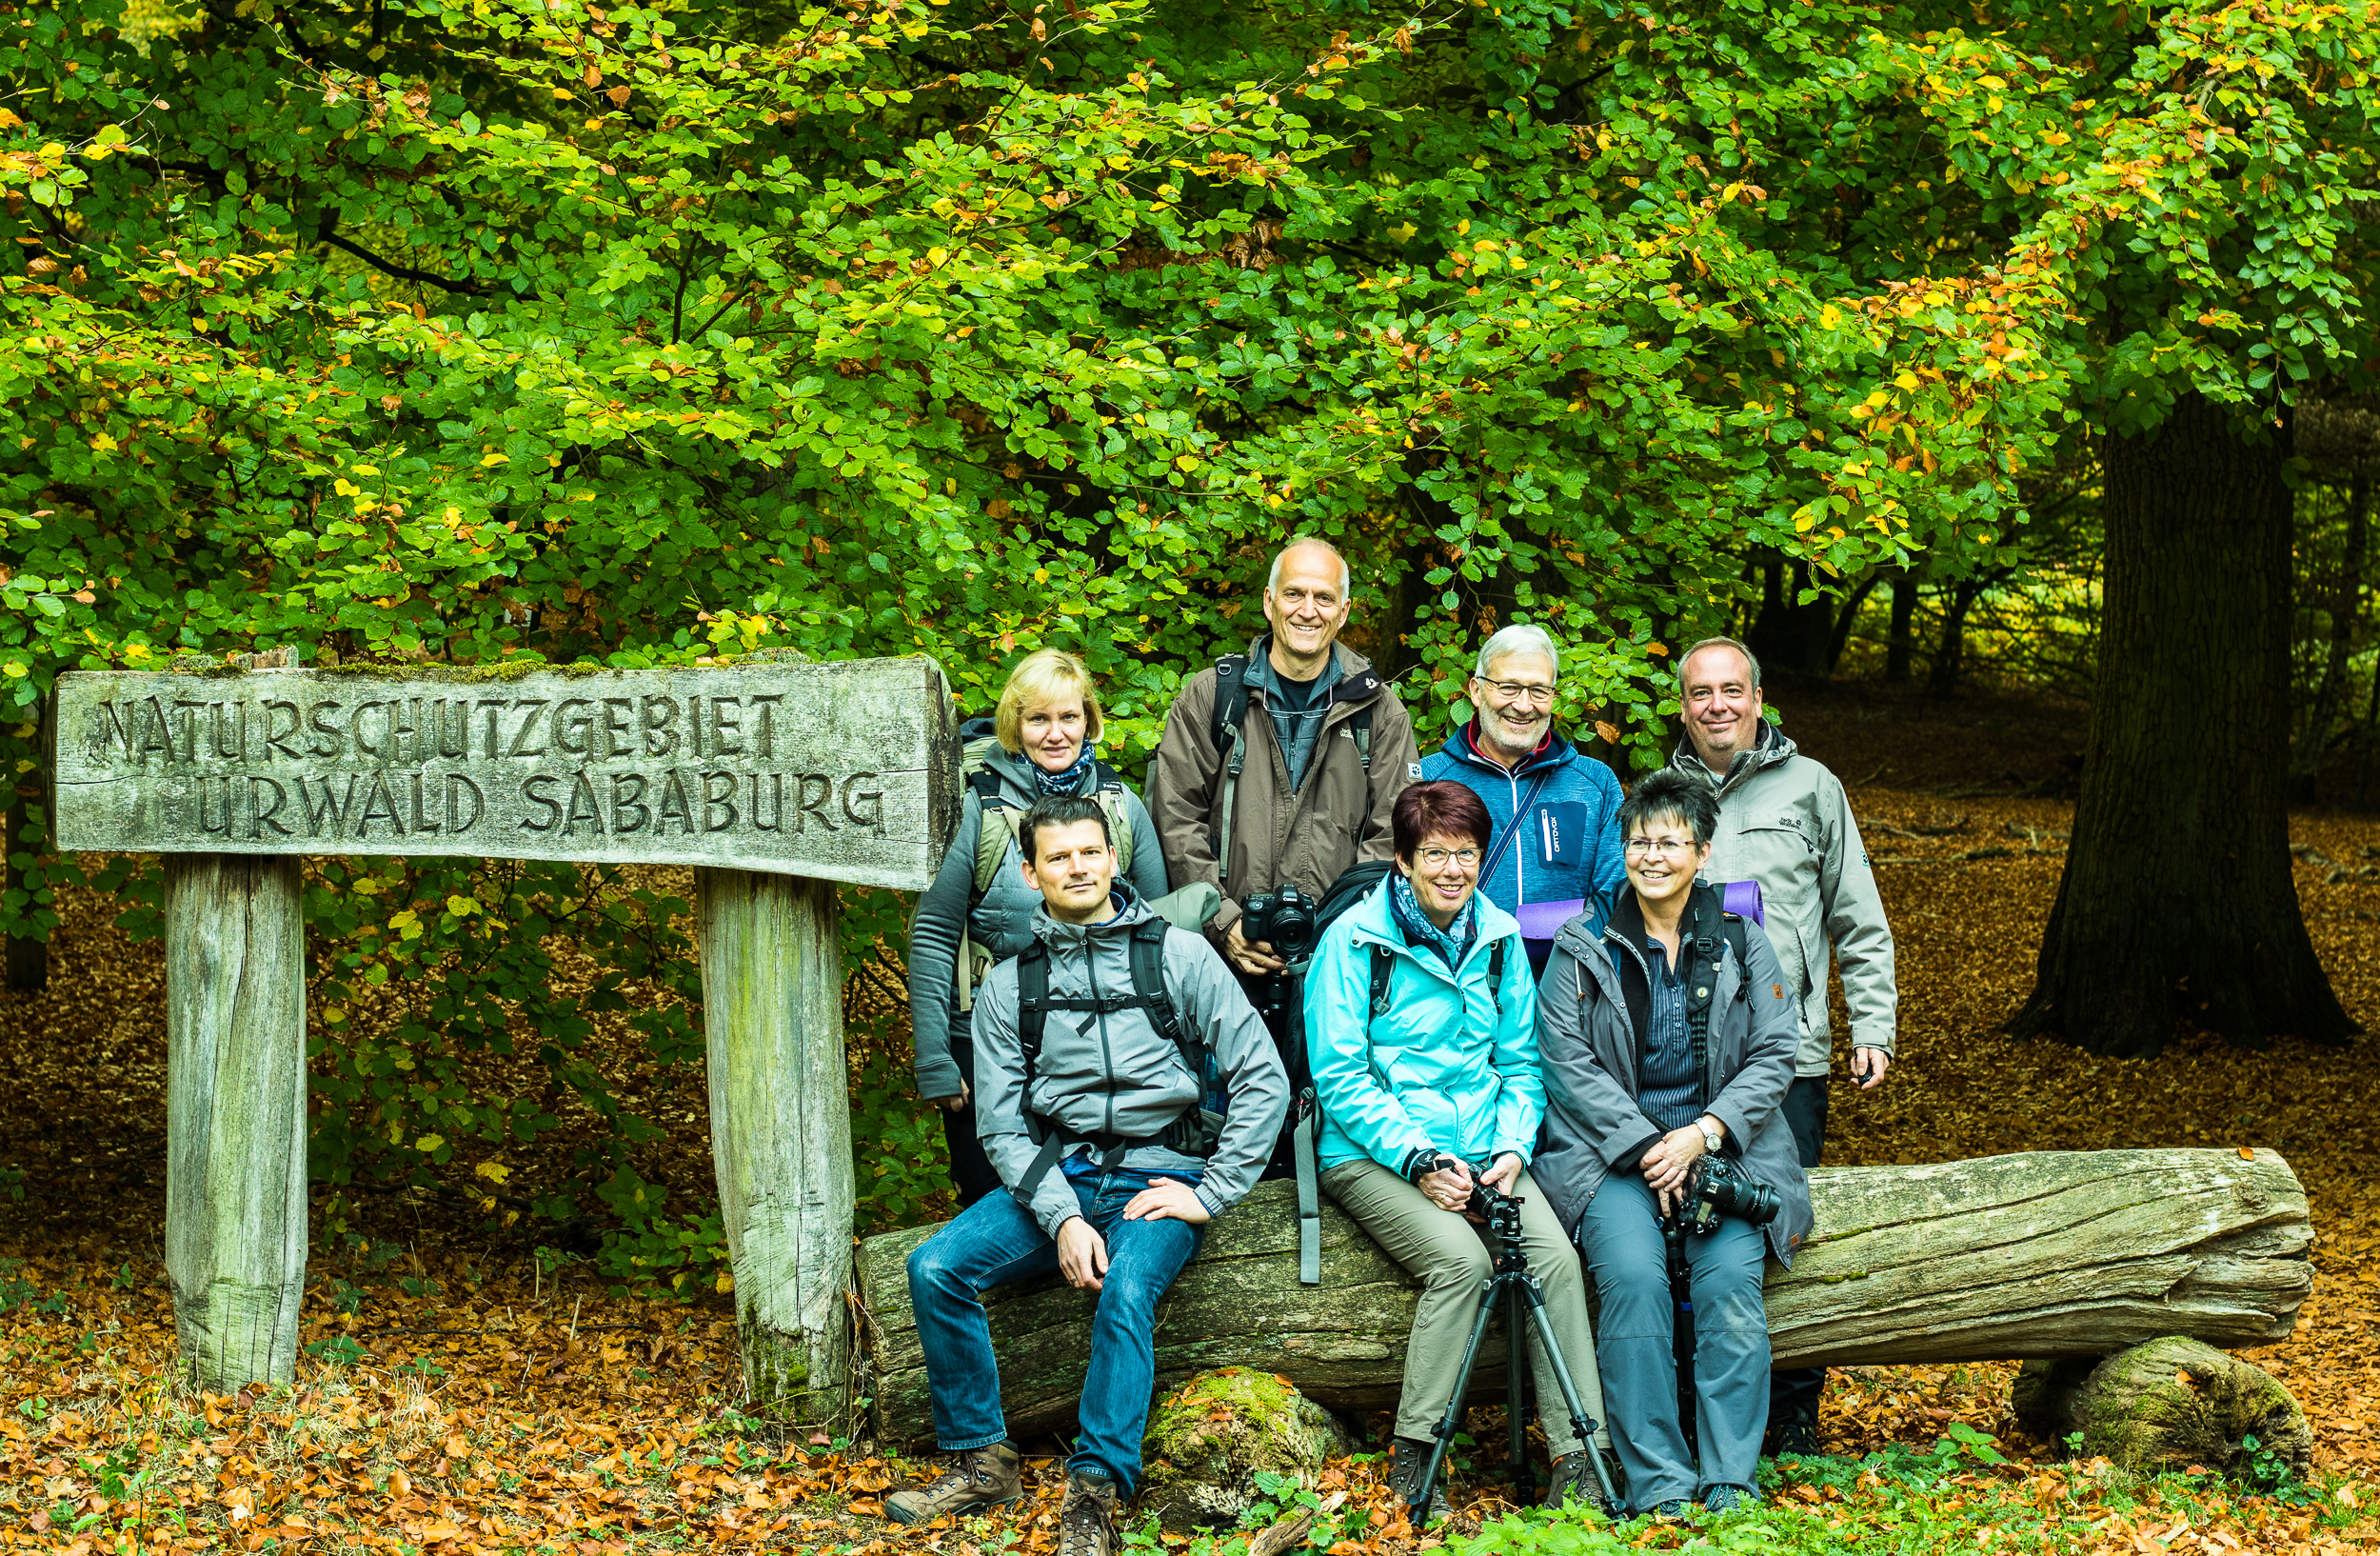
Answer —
(1448, 1188)
(1670, 1162)
(1505, 1173)
(1167, 1198)
(1252, 957)
(951, 1105)
(1868, 1066)
(1082, 1255)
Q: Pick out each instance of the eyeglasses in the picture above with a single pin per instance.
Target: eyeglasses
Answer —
(1668, 847)
(1435, 858)
(1512, 691)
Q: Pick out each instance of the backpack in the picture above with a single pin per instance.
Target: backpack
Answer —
(1195, 1131)
(1352, 886)
(1227, 731)
(992, 843)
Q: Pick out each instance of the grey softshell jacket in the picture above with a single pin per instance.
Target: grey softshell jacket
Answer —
(1785, 821)
(1588, 1047)
(1001, 923)
(1118, 1074)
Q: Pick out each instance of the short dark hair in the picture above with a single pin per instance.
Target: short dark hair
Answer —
(1441, 806)
(1670, 792)
(1057, 811)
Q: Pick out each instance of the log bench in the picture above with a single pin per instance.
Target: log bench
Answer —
(2050, 1254)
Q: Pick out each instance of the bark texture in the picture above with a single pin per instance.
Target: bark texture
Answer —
(780, 1128)
(235, 1115)
(2167, 1405)
(2047, 1254)
(2177, 901)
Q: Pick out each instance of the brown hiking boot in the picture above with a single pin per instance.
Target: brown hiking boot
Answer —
(1575, 1482)
(976, 1479)
(1404, 1478)
(1086, 1519)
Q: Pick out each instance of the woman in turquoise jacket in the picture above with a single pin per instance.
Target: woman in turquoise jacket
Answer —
(1438, 1089)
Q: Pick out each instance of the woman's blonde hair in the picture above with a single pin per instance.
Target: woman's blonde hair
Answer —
(1043, 677)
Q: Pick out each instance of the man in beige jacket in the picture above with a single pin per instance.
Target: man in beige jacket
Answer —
(1300, 785)
(1785, 821)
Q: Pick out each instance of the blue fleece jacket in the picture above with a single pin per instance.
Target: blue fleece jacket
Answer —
(1567, 840)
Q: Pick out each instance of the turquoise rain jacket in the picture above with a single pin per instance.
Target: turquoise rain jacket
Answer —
(1451, 1067)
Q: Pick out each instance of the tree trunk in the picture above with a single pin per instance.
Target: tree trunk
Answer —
(235, 1115)
(2345, 608)
(2177, 901)
(780, 1127)
(1900, 642)
(2050, 1253)
(1839, 636)
(1791, 637)
(1950, 656)
(2168, 1405)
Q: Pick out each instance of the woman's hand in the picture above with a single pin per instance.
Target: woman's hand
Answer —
(1670, 1163)
(950, 1105)
(1505, 1173)
(1450, 1188)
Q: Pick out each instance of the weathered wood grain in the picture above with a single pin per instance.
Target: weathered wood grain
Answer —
(845, 771)
(780, 1128)
(235, 1116)
(2046, 1253)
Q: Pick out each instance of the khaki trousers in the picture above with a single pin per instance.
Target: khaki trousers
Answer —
(1450, 1256)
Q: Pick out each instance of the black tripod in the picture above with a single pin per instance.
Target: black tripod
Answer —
(1524, 1301)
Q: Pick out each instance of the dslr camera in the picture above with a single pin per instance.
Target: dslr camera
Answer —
(1720, 1188)
(1498, 1209)
(1282, 918)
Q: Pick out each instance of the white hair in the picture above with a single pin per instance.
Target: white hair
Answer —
(1519, 638)
(1346, 579)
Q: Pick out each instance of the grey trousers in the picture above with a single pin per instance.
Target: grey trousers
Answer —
(1624, 1249)
(1451, 1257)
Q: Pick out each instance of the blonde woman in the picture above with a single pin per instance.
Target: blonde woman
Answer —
(980, 908)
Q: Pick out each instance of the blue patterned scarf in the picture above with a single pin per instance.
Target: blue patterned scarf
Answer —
(1066, 781)
(1452, 943)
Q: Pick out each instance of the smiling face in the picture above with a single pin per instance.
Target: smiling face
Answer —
(1721, 704)
(1074, 869)
(1307, 603)
(1444, 871)
(1516, 704)
(1663, 858)
(1051, 734)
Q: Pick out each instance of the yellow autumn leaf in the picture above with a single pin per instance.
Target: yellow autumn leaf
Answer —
(461, 906)
(1188, 462)
(104, 444)
(496, 459)
(493, 1171)
(346, 489)
(430, 1143)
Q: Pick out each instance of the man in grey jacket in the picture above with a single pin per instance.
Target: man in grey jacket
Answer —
(1139, 1115)
(1785, 821)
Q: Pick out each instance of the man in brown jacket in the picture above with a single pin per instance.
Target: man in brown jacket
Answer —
(1322, 750)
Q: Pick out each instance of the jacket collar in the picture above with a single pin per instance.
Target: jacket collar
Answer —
(1775, 749)
(1554, 751)
(1131, 910)
(1353, 681)
(1375, 924)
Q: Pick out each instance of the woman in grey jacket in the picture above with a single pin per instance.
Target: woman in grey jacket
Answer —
(1048, 720)
(1629, 1119)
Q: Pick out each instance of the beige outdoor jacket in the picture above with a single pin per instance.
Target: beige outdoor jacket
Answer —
(1785, 821)
(1308, 836)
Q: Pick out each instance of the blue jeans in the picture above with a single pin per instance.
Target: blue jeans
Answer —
(996, 1240)
(1620, 1237)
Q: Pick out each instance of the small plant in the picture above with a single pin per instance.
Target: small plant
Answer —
(125, 1277)
(347, 1296)
(336, 1351)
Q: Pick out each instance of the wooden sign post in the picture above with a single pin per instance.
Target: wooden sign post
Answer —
(774, 780)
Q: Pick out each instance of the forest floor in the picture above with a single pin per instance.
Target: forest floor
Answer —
(457, 1395)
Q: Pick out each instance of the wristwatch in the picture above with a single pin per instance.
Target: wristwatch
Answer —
(1712, 1139)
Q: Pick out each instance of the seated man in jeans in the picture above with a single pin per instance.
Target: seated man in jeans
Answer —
(1107, 1133)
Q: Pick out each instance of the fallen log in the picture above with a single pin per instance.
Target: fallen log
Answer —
(2041, 1254)
(2168, 1405)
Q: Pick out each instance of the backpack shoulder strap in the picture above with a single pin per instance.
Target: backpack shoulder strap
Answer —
(1496, 971)
(1361, 727)
(1731, 930)
(1110, 793)
(1227, 731)
(1148, 989)
(1032, 1005)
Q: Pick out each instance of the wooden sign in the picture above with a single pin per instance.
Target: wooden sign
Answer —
(845, 772)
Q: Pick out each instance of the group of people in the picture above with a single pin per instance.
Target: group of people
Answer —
(1553, 990)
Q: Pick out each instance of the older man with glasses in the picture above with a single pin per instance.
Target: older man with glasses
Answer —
(1556, 849)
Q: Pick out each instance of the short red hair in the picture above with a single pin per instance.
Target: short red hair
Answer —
(1441, 808)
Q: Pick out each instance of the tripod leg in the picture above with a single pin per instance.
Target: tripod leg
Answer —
(1444, 1431)
(1523, 1476)
(1581, 1422)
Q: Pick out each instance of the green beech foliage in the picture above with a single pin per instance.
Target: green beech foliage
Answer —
(643, 334)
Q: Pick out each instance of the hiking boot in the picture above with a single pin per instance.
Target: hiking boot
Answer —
(1726, 1498)
(1404, 1478)
(976, 1479)
(1794, 1437)
(1086, 1518)
(1675, 1510)
(1574, 1482)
